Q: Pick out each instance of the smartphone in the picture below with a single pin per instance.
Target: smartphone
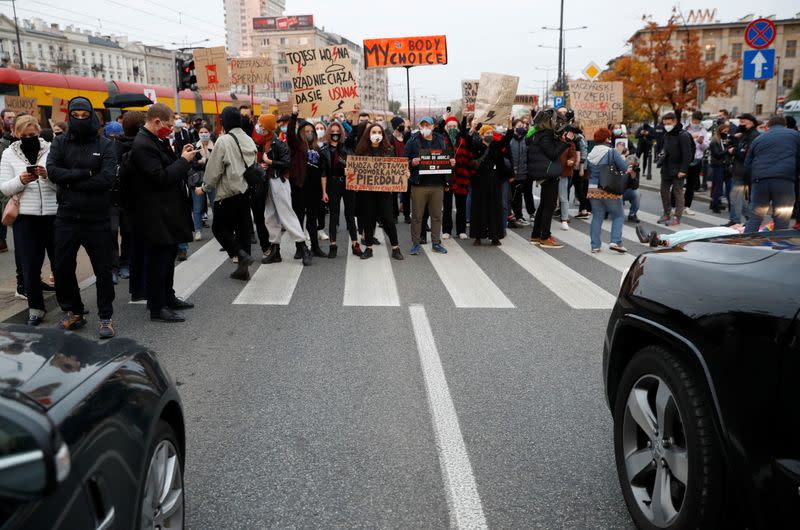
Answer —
(31, 170)
(449, 109)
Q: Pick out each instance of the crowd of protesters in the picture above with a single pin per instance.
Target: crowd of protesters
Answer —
(134, 194)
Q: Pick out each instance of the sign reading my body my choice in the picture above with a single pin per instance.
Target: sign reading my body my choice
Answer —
(405, 51)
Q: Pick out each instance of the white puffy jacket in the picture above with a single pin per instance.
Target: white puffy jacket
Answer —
(39, 197)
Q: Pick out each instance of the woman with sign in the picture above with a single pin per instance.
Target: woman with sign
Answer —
(333, 189)
(376, 205)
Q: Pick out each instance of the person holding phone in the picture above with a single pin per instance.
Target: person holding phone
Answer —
(23, 173)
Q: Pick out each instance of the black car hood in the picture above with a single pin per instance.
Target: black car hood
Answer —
(740, 249)
(48, 364)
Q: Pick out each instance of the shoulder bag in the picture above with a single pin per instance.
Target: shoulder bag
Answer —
(11, 211)
(254, 174)
(612, 180)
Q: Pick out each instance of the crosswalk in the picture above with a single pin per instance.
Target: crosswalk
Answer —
(375, 282)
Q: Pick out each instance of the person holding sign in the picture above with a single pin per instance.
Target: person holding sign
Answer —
(376, 205)
(492, 169)
(334, 190)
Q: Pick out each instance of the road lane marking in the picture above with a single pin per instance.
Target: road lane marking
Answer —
(466, 282)
(581, 242)
(370, 282)
(273, 284)
(575, 290)
(464, 503)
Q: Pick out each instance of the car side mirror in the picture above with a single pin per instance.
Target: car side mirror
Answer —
(33, 457)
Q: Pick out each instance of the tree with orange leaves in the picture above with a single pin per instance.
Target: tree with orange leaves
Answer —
(641, 97)
(665, 65)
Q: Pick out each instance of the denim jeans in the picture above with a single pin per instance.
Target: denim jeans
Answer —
(599, 209)
(563, 197)
(633, 197)
(197, 208)
(775, 192)
(737, 202)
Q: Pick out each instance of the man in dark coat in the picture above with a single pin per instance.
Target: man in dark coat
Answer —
(492, 169)
(163, 209)
(678, 153)
(84, 167)
(644, 147)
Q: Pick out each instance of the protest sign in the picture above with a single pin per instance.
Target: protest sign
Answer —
(284, 107)
(21, 105)
(59, 112)
(323, 81)
(469, 90)
(530, 100)
(405, 51)
(376, 173)
(435, 162)
(211, 68)
(596, 104)
(251, 71)
(495, 98)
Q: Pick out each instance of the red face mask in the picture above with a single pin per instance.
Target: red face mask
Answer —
(163, 132)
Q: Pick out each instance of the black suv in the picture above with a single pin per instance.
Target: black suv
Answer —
(701, 364)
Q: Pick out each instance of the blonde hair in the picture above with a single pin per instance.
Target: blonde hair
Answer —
(23, 122)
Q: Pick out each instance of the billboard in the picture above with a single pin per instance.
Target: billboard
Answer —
(283, 23)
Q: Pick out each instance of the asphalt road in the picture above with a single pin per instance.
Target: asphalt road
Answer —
(470, 396)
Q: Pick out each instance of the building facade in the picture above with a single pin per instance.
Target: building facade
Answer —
(373, 84)
(239, 15)
(761, 98)
(72, 51)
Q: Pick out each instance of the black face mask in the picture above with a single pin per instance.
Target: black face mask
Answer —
(335, 137)
(30, 148)
(82, 129)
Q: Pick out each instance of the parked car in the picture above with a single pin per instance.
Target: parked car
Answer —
(91, 435)
(701, 364)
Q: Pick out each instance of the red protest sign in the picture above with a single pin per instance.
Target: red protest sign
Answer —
(405, 51)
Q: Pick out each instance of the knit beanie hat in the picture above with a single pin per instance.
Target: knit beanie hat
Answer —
(112, 128)
(486, 129)
(267, 122)
(451, 119)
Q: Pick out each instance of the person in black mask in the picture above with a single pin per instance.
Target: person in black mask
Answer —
(247, 119)
(83, 165)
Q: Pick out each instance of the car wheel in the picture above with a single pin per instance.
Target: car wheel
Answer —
(162, 491)
(666, 450)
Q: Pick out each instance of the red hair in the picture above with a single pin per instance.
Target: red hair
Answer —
(601, 136)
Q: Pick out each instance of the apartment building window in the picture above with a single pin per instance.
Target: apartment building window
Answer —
(791, 48)
(736, 50)
(283, 40)
(711, 51)
(788, 78)
(759, 109)
(303, 40)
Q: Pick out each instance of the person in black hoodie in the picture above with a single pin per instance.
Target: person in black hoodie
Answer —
(316, 169)
(163, 209)
(674, 161)
(84, 167)
(544, 165)
(334, 190)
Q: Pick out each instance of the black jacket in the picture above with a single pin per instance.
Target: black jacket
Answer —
(281, 160)
(326, 151)
(718, 154)
(544, 150)
(740, 149)
(163, 206)
(182, 138)
(85, 174)
(678, 152)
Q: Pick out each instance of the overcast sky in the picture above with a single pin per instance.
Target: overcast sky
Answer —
(487, 35)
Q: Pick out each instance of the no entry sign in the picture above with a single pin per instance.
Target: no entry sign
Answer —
(760, 33)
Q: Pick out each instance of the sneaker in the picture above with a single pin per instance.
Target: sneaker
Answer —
(439, 248)
(633, 219)
(106, 330)
(322, 235)
(445, 236)
(198, 235)
(367, 253)
(396, 254)
(674, 222)
(71, 321)
(551, 242)
(564, 225)
(535, 241)
(522, 221)
(688, 211)
(582, 215)
(20, 293)
(356, 249)
(462, 235)
(664, 220)
(182, 256)
(596, 250)
(415, 250)
(618, 248)
(34, 320)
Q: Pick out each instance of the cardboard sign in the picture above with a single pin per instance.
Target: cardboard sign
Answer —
(376, 173)
(251, 71)
(531, 100)
(323, 81)
(284, 107)
(495, 99)
(596, 104)
(469, 91)
(211, 68)
(151, 94)
(21, 105)
(435, 162)
(405, 51)
(60, 109)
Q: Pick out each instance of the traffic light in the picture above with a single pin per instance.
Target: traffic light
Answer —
(186, 77)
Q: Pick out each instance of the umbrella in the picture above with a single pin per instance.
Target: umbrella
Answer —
(121, 101)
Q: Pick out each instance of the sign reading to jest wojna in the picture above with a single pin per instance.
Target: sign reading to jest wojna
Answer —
(596, 104)
(405, 51)
(376, 173)
(323, 81)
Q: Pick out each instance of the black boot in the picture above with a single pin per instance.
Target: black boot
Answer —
(273, 255)
(298, 254)
(305, 253)
(242, 271)
(332, 251)
(643, 236)
(315, 250)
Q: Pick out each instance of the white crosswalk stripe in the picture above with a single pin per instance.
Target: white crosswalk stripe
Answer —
(273, 284)
(580, 241)
(466, 282)
(371, 282)
(574, 289)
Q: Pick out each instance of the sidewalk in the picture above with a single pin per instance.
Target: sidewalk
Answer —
(655, 185)
(11, 306)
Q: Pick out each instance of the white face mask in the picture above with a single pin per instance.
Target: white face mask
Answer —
(425, 131)
(178, 123)
(259, 130)
(376, 138)
(320, 133)
(668, 128)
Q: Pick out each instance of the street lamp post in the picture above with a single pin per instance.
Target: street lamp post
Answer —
(16, 30)
(561, 48)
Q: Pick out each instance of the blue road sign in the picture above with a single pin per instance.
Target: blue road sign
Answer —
(758, 64)
(558, 101)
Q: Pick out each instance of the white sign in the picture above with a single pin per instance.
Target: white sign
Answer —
(151, 94)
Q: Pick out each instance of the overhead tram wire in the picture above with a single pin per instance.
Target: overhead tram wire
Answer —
(183, 14)
(204, 31)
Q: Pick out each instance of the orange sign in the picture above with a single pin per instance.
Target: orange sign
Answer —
(405, 51)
